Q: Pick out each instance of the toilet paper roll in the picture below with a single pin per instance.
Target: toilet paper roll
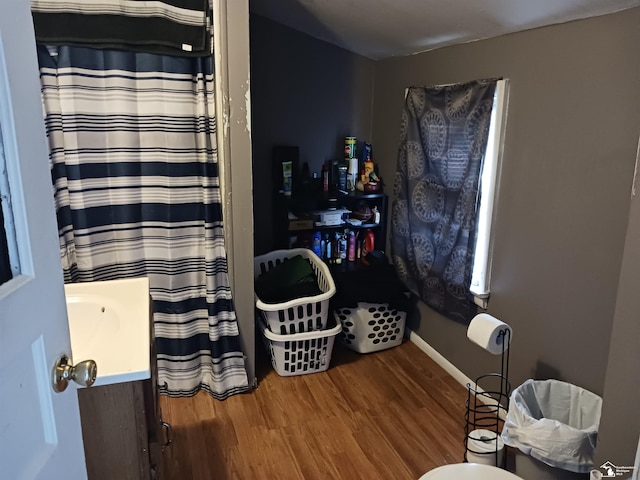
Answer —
(484, 330)
(482, 446)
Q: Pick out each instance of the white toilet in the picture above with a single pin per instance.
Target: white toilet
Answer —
(468, 471)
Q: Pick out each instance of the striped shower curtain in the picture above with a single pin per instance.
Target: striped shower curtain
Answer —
(133, 157)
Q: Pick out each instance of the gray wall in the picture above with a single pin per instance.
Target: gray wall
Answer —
(570, 145)
(304, 92)
(234, 149)
(620, 423)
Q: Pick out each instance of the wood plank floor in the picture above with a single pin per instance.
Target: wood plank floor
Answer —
(393, 414)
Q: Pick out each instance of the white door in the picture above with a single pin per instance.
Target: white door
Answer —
(40, 435)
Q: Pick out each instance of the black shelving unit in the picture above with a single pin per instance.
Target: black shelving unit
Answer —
(305, 201)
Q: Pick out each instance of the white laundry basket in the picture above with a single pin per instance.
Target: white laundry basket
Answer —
(371, 327)
(303, 314)
(300, 353)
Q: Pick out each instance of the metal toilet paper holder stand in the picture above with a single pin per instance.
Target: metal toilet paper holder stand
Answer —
(487, 405)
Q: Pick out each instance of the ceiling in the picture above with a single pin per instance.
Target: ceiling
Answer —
(380, 29)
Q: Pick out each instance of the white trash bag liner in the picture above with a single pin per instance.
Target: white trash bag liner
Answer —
(554, 422)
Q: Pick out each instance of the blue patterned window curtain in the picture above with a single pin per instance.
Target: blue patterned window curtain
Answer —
(444, 135)
(133, 155)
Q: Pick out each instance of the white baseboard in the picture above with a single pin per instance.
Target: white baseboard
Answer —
(431, 352)
(450, 368)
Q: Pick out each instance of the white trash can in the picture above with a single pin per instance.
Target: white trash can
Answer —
(554, 425)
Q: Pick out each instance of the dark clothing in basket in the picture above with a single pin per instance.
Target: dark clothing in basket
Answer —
(291, 279)
(376, 283)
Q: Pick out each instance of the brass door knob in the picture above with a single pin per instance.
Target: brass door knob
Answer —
(84, 373)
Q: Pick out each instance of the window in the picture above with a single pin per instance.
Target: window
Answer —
(489, 183)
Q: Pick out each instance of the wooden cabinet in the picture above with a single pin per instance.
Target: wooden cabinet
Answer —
(294, 219)
(121, 429)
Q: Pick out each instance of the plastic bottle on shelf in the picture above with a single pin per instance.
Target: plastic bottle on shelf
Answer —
(316, 242)
(325, 177)
(328, 256)
(351, 255)
(376, 215)
(368, 243)
(369, 167)
(343, 246)
(337, 247)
